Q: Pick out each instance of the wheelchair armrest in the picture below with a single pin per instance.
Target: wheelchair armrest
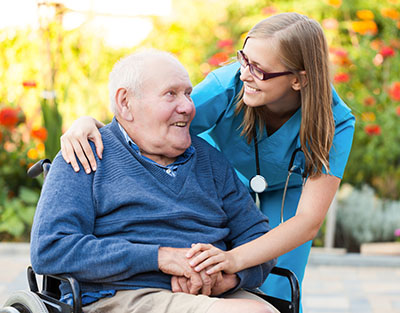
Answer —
(38, 168)
(294, 283)
(284, 306)
(49, 282)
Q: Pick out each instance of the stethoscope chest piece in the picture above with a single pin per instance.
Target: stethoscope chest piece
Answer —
(258, 184)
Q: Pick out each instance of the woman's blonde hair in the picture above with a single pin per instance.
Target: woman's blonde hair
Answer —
(302, 47)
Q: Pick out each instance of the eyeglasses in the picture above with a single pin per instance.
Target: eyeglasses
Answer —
(255, 71)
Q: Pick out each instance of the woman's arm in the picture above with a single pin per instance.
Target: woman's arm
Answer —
(75, 141)
(314, 203)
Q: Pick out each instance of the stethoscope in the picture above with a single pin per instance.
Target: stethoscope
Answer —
(259, 184)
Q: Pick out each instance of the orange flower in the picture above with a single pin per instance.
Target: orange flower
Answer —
(398, 110)
(33, 154)
(376, 44)
(9, 117)
(365, 27)
(341, 78)
(390, 13)
(39, 133)
(368, 116)
(395, 43)
(335, 3)
(387, 51)
(394, 91)
(365, 15)
(29, 84)
(218, 58)
(339, 56)
(369, 101)
(372, 129)
(1, 136)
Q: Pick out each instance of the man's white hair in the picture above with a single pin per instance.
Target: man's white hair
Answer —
(129, 72)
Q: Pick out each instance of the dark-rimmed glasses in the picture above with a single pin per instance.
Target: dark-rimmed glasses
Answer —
(255, 71)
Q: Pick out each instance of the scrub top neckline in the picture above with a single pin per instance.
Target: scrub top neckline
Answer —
(281, 130)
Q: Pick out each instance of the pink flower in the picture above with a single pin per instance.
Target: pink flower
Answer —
(225, 43)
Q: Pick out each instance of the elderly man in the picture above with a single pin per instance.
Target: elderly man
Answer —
(123, 231)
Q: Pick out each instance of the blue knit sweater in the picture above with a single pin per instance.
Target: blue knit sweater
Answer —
(105, 228)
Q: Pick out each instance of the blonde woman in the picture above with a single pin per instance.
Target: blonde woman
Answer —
(272, 111)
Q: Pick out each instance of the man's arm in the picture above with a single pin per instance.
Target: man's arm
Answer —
(63, 240)
(246, 223)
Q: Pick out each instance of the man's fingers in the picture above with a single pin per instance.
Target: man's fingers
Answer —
(175, 284)
(183, 284)
(207, 283)
(195, 283)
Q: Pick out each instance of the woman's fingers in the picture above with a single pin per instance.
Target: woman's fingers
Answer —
(198, 247)
(209, 261)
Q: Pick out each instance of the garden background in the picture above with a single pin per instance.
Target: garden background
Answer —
(51, 74)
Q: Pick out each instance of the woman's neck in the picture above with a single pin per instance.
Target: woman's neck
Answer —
(275, 120)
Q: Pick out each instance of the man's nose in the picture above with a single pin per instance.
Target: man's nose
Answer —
(185, 105)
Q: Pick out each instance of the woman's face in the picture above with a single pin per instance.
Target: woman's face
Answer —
(277, 93)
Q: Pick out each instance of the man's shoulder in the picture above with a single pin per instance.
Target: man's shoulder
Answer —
(204, 149)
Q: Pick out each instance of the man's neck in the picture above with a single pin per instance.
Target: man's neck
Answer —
(159, 159)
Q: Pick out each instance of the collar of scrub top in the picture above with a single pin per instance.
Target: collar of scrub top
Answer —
(170, 169)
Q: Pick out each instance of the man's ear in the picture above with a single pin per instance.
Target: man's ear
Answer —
(298, 83)
(123, 104)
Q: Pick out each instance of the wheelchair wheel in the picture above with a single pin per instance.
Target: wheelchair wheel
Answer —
(24, 302)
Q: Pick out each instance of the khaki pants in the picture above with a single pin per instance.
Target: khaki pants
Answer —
(154, 300)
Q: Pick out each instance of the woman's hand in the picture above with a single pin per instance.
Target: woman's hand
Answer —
(75, 141)
(205, 256)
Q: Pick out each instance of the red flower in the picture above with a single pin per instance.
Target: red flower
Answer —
(1, 136)
(369, 101)
(9, 117)
(39, 133)
(398, 110)
(394, 91)
(372, 129)
(218, 58)
(387, 51)
(341, 78)
(29, 84)
(225, 43)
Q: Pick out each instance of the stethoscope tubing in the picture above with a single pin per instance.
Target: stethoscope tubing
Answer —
(258, 183)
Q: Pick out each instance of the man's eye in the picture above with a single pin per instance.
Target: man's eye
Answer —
(171, 93)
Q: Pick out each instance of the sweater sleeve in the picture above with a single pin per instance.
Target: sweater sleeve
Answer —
(246, 223)
(62, 239)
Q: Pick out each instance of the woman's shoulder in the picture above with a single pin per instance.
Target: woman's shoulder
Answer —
(341, 112)
(227, 76)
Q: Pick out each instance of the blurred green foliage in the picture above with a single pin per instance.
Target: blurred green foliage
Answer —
(69, 69)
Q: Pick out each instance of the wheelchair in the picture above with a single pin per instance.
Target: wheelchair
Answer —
(47, 300)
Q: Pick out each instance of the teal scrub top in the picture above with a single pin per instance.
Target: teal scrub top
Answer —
(216, 121)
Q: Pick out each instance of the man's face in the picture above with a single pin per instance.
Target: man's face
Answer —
(163, 111)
